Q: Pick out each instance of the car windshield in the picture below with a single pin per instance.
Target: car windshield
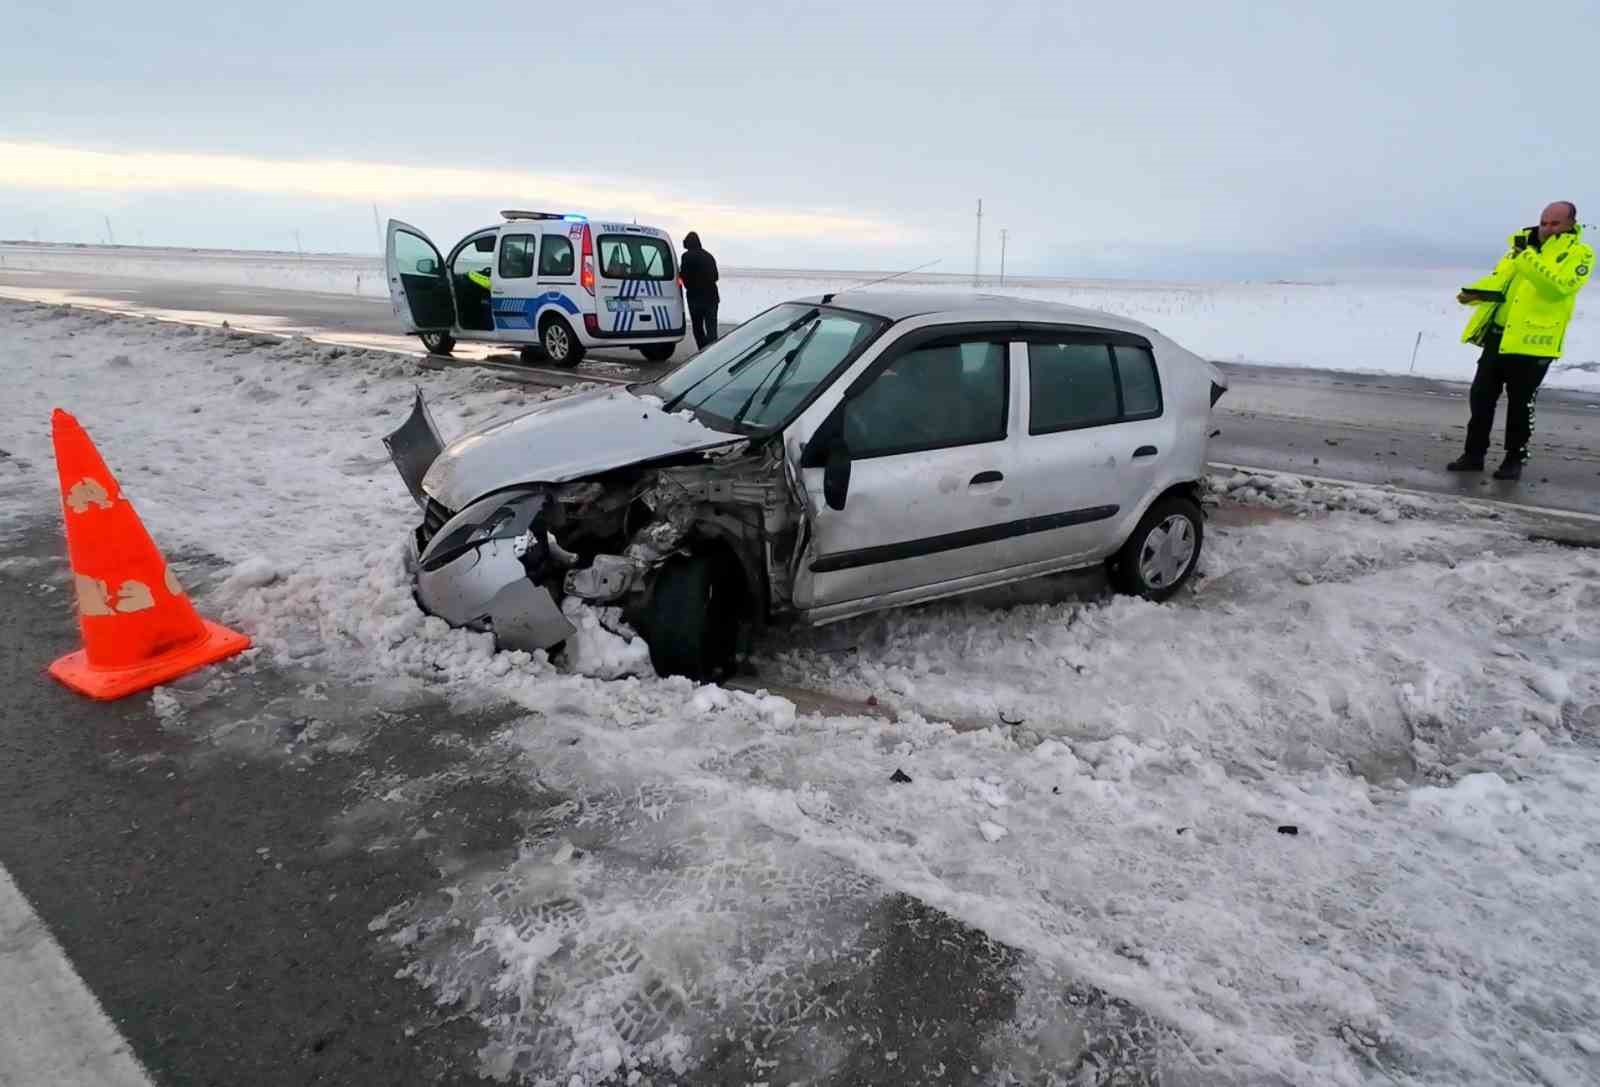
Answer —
(759, 375)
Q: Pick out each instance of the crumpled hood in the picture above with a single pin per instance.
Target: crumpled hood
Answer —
(563, 440)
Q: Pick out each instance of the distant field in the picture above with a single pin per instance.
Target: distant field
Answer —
(1357, 325)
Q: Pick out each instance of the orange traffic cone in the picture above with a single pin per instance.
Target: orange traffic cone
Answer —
(139, 629)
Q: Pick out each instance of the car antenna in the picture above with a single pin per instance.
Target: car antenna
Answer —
(882, 279)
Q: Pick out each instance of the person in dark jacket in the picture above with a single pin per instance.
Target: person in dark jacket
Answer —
(699, 271)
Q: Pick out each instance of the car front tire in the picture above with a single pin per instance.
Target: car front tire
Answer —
(692, 620)
(1161, 555)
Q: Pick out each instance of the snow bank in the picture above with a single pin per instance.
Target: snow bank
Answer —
(1361, 326)
(1329, 818)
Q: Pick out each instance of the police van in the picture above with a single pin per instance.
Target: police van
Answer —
(555, 284)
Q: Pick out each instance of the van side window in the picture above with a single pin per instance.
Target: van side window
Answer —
(516, 256)
(556, 259)
(931, 397)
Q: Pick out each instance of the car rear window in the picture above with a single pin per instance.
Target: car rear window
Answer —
(631, 256)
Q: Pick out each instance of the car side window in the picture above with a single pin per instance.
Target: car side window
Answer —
(516, 256)
(931, 397)
(556, 259)
(1141, 384)
(1071, 385)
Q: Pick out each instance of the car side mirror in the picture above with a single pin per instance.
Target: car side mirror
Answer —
(484, 245)
(427, 266)
(836, 474)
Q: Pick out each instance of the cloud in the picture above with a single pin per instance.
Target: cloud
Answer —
(46, 167)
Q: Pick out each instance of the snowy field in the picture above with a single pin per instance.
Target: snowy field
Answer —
(1363, 326)
(1104, 785)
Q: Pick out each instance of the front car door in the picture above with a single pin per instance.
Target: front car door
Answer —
(418, 287)
(932, 488)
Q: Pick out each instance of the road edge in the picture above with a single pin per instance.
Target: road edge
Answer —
(52, 1029)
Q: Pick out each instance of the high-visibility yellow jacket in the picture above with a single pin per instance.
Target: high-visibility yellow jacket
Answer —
(1540, 287)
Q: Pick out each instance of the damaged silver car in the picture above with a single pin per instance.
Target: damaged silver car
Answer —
(830, 457)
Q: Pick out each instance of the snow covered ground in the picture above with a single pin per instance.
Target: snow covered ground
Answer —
(1331, 818)
(1364, 326)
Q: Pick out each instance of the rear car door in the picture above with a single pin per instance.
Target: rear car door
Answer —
(637, 290)
(418, 287)
(932, 485)
(1094, 437)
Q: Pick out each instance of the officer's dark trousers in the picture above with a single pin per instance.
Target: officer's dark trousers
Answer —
(1520, 377)
(703, 316)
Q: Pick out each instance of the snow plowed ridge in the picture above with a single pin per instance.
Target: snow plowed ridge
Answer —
(1406, 683)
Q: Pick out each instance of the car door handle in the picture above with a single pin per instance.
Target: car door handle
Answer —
(986, 477)
(1145, 451)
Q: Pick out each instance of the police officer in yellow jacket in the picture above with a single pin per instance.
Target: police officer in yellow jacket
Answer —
(1520, 318)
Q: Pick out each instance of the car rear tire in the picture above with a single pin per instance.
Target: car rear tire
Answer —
(560, 346)
(437, 343)
(658, 352)
(1163, 551)
(692, 620)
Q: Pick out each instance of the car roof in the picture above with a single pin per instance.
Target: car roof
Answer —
(971, 306)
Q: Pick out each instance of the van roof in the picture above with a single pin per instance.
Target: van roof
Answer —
(569, 216)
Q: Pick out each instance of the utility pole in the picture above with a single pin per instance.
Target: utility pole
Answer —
(977, 247)
(378, 227)
(1002, 256)
(111, 239)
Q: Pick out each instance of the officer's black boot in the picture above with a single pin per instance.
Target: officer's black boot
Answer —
(1509, 469)
(1465, 463)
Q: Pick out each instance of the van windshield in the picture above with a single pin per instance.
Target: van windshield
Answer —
(760, 375)
(630, 256)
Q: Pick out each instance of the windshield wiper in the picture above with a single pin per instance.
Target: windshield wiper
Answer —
(744, 360)
(781, 371)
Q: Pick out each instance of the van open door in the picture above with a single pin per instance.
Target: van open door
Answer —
(419, 285)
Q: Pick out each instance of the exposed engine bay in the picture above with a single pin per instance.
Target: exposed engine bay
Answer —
(505, 562)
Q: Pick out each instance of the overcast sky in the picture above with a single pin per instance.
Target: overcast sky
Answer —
(1163, 140)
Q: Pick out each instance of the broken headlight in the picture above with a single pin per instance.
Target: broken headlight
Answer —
(497, 517)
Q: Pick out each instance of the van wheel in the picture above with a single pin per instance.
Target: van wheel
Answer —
(531, 356)
(1163, 551)
(658, 352)
(692, 620)
(437, 343)
(561, 347)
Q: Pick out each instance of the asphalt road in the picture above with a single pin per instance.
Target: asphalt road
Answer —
(1369, 428)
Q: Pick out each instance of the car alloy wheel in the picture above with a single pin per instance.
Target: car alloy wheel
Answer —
(1167, 552)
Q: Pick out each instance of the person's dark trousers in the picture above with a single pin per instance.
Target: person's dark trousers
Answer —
(703, 315)
(1520, 376)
